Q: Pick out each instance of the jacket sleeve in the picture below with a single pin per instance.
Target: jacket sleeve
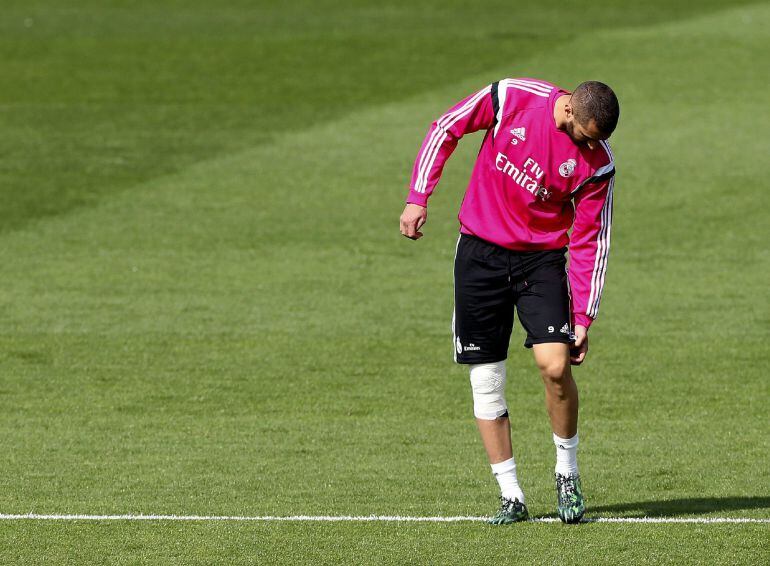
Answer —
(474, 113)
(589, 248)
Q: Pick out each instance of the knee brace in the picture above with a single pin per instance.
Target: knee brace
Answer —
(488, 385)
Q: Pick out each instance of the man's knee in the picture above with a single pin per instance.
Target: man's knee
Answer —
(555, 371)
(488, 386)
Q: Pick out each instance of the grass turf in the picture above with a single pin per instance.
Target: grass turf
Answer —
(214, 543)
(208, 309)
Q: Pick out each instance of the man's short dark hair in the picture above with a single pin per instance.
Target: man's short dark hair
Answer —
(595, 100)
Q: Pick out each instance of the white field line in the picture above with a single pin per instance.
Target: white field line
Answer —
(366, 518)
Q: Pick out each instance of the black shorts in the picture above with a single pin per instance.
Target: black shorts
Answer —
(490, 281)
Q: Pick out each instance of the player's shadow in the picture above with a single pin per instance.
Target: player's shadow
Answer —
(677, 507)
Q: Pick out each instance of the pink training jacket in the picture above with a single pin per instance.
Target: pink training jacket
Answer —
(531, 183)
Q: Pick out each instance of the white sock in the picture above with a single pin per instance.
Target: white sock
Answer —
(566, 455)
(505, 473)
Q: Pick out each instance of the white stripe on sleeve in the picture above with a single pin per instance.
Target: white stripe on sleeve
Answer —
(439, 134)
(602, 254)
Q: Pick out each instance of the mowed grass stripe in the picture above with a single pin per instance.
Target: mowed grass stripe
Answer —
(105, 97)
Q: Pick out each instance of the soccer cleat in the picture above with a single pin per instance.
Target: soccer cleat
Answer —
(571, 504)
(511, 511)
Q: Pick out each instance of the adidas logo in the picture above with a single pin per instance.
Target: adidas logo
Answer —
(565, 329)
(520, 133)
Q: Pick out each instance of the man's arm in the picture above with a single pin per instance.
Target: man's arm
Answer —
(588, 254)
(469, 115)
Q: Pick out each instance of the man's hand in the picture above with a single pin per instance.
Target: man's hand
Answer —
(412, 219)
(578, 351)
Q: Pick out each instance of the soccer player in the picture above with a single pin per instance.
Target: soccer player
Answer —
(544, 168)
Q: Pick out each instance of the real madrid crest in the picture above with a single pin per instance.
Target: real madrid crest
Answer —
(567, 168)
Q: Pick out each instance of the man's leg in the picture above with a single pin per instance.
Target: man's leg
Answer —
(496, 437)
(491, 411)
(544, 310)
(561, 394)
(561, 400)
(481, 329)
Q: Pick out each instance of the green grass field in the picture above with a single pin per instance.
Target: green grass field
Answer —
(207, 308)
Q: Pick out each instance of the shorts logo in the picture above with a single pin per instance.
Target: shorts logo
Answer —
(565, 329)
(458, 346)
(567, 168)
(472, 348)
